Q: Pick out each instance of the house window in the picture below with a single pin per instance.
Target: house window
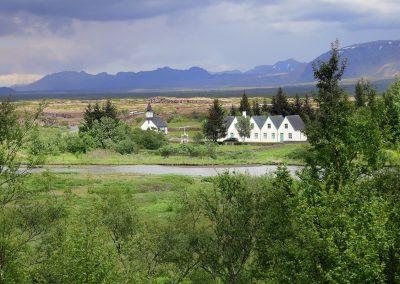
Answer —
(290, 135)
(286, 126)
(269, 125)
(252, 125)
(255, 135)
(232, 135)
(273, 135)
(265, 135)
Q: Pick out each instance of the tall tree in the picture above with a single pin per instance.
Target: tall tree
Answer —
(244, 104)
(392, 104)
(233, 111)
(244, 127)
(363, 87)
(280, 104)
(256, 108)
(297, 106)
(264, 107)
(110, 110)
(307, 111)
(25, 214)
(335, 137)
(214, 127)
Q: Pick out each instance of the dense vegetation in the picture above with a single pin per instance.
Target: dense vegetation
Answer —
(338, 222)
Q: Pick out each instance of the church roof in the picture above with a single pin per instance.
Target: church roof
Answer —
(149, 108)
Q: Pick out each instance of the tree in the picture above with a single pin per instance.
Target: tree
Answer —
(362, 91)
(233, 111)
(298, 106)
(96, 113)
(392, 104)
(280, 104)
(256, 110)
(307, 111)
(244, 127)
(225, 241)
(24, 218)
(214, 128)
(338, 146)
(244, 104)
(264, 107)
(110, 110)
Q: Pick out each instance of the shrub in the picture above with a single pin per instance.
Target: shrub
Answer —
(127, 146)
(198, 137)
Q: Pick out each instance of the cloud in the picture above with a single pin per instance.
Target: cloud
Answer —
(44, 36)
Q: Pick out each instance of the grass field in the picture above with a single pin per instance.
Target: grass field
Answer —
(154, 196)
(290, 154)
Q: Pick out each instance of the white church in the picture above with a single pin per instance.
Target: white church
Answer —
(269, 129)
(154, 122)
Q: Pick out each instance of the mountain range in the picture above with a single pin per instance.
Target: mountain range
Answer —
(375, 60)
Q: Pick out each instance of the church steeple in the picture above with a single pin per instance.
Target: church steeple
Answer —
(149, 111)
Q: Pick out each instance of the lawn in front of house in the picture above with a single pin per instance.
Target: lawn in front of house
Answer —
(291, 154)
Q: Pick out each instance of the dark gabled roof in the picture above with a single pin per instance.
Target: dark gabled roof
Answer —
(259, 120)
(296, 122)
(149, 108)
(158, 121)
(276, 120)
(228, 120)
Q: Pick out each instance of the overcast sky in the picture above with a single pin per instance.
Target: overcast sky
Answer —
(44, 36)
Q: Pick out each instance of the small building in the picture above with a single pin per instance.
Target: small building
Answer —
(291, 129)
(154, 122)
(269, 129)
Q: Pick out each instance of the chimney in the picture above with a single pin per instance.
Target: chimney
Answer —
(244, 113)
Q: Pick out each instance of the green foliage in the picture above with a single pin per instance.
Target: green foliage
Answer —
(256, 110)
(189, 150)
(392, 104)
(245, 104)
(198, 137)
(96, 113)
(127, 146)
(280, 104)
(214, 128)
(339, 149)
(244, 127)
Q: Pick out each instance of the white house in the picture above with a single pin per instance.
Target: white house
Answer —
(291, 129)
(153, 122)
(271, 129)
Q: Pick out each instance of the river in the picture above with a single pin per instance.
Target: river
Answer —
(162, 170)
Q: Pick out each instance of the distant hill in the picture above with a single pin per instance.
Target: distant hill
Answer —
(377, 60)
(4, 91)
(281, 67)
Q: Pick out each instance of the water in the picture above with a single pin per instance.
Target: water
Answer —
(162, 170)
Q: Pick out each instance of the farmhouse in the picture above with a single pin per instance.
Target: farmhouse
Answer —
(154, 122)
(269, 129)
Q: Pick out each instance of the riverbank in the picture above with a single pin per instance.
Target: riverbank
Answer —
(226, 155)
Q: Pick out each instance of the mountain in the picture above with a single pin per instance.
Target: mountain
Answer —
(4, 91)
(281, 67)
(376, 60)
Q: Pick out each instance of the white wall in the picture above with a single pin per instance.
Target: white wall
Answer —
(296, 135)
(253, 132)
(269, 132)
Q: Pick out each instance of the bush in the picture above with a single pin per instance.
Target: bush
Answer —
(198, 137)
(79, 143)
(188, 150)
(126, 146)
(149, 139)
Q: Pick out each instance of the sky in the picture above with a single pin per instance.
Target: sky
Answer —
(39, 37)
